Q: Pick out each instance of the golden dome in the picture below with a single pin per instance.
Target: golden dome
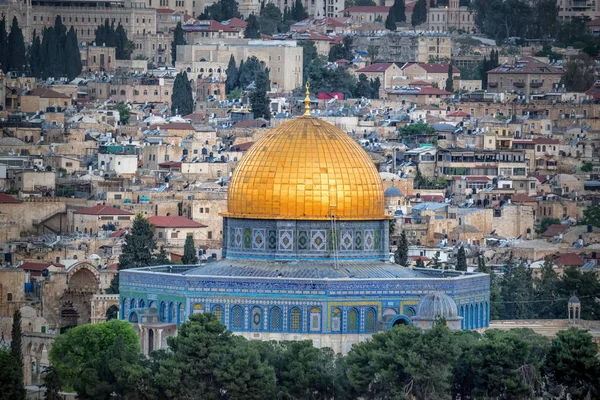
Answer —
(306, 169)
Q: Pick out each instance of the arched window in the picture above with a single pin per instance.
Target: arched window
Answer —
(256, 321)
(371, 318)
(142, 304)
(353, 320)
(152, 304)
(122, 93)
(295, 320)
(172, 315)
(180, 313)
(315, 319)
(132, 304)
(237, 317)
(163, 311)
(336, 320)
(476, 325)
(544, 148)
(218, 312)
(275, 319)
(197, 308)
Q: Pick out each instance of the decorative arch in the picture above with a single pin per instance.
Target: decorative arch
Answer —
(218, 312)
(256, 318)
(172, 315)
(237, 317)
(275, 319)
(295, 320)
(314, 319)
(353, 321)
(400, 320)
(336, 320)
(163, 311)
(370, 320)
(76, 276)
(134, 317)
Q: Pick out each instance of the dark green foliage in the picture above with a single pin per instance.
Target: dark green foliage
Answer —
(329, 80)
(449, 80)
(123, 113)
(72, 64)
(3, 45)
(232, 75)
(517, 285)
(252, 30)
(182, 99)
(496, 300)
(396, 15)
(35, 57)
(481, 267)
(572, 363)
(375, 86)
(309, 54)
(546, 292)
(11, 377)
(298, 12)
(258, 98)
(587, 167)
(363, 88)
(270, 19)
(189, 251)
(353, 3)
(221, 10)
(390, 21)
(107, 35)
(16, 349)
(342, 51)
(420, 263)
(585, 285)
(546, 222)
(248, 71)
(591, 215)
(58, 53)
(579, 73)
(52, 384)
(17, 59)
(420, 128)
(206, 360)
(548, 52)
(419, 15)
(178, 40)
(461, 259)
(487, 65)
(401, 254)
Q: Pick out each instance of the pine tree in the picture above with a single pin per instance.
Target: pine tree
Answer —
(182, 100)
(390, 21)
(178, 40)
(399, 8)
(3, 45)
(298, 11)
(252, 30)
(52, 384)
(419, 15)
(481, 267)
(449, 80)
(35, 57)
(16, 349)
(401, 254)
(123, 46)
(258, 98)
(232, 75)
(420, 263)
(72, 61)
(17, 59)
(189, 252)
(461, 259)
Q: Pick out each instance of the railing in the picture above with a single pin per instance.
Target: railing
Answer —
(519, 84)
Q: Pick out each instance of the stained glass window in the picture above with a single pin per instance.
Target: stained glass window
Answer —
(256, 318)
(237, 317)
(295, 318)
(336, 320)
(315, 319)
(353, 320)
(276, 319)
(371, 319)
(218, 312)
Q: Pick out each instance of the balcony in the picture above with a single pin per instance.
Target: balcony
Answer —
(493, 84)
(535, 84)
(519, 84)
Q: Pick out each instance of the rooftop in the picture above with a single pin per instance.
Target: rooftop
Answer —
(174, 222)
(101, 209)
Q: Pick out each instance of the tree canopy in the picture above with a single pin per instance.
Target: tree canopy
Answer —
(579, 73)
(107, 34)
(591, 215)
(190, 254)
(419, 15)
(178, 40)
(182, 99)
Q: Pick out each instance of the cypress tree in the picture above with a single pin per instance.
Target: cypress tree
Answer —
(123, 48)
(401, 254)
(189, 252)
(449, 80)
(390, 21)
(178, 40)
(16, 349)
(72, 66)
(252, 30)
(461, 260)
(238, 82)
(399, 8)
(419, 15)
(232, 75)
(182, 100)
(3, 45)
(258, 98)
(17, 59)
(35, 56)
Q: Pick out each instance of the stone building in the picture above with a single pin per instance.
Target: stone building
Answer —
(433, 73)
(402, 47)
(389, 74)
(525, 75)
(90, 220)
(451, 18)
(172, 231)
(12, 292)
(98, 58)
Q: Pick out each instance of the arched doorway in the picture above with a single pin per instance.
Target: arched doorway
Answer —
(112, 312)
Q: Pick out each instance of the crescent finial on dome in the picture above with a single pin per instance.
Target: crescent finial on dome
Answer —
(307, 101)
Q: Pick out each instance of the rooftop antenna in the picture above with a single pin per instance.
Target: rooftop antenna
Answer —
(307, 101)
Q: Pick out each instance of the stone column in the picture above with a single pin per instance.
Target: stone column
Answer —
(38, 360)
(159, 337)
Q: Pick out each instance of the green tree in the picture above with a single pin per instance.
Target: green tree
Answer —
(579, 73)
(450, 80)
(270, 19)
(363, 88)
(11, 377)
(206, 361)
(461, 259)
(546, 292)
(189, 251)
(17, 58)
(88, 347)
(252, 30)
(398, 9)
(124, 113)
(178, 40)
(517, 285)
(261, 106)
(123, 46)
(52, 384)
(390, 21)
(585, 285)
(3, 44)
(591, 215)
(249, 71)
(35, 57)
(401, 254)
(298, 12)
(375, 86)
(496, 301)
(182, 99)
(221, 10)
(587, 167)
(232, 75)
(420, 263)
(419, 15)
(481, 267)
(419, 128)
(546, 222)
(16, 346)
(309, 54)
(72, 62)
(572, 362)
(342, 50)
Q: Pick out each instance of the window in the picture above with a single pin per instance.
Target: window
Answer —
(174, 235)
(353, 320)
(336, 320)
(275, 318)
(295, 322)
(207, 210)
(9, 296)
(118, 197)
(218, 312)
(315, 319)
(209, 235)
(371, 319)
(256, 318)
(160, 235)
(237, 317)
(201, 210)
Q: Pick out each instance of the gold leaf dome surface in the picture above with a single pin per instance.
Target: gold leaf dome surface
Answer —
(306, 169)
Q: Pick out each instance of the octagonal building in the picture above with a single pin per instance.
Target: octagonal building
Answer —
(305, 253)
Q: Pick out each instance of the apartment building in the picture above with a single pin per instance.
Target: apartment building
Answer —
(476, 162)
(525, 75)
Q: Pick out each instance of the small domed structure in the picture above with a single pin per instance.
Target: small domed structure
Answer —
(392, 192)
(574, 300)
(434, 306)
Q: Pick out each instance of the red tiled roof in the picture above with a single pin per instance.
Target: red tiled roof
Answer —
(522, 198)
(208, 26)
(38, 266)
(458, 114)
(174, 126)
(6, 199)
(174, 222)
(420, 83)
(594, 22)
(433, 68)
(113, 267)
(46, 93)
(524, 141)
(164, 11)
(366, 9)
(526, 65)
(102, 210)
(555, 229)
(432, 90)
(546, 141)
(377, 67)
(170, 164)
(119, 233)
(422, 258)
(235, 23)
(568, 260)
(243, 146)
